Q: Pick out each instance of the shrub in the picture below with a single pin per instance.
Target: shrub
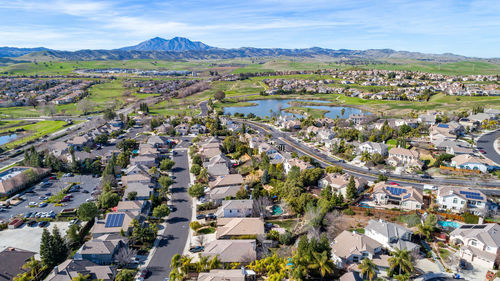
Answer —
(273, 235)
(195, 225)
(349, 212)
(470, 218)
(286, 238)
(205, 230)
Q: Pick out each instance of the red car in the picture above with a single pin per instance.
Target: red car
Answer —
(482, 151)
(52, 178)
(394, 183)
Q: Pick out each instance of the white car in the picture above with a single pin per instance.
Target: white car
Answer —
(32, 204)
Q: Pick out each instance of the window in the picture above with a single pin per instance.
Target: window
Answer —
(455, 200)
(473, 242)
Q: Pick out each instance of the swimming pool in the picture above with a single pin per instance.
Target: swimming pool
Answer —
(364, 205)
(451, 224)
(276, 210)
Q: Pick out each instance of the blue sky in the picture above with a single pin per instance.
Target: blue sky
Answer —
(469, 28)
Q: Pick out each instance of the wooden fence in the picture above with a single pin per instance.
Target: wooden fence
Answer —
(465, 171)
(381, 212)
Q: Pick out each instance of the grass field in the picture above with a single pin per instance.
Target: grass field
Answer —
(307, 111)
(34, 131)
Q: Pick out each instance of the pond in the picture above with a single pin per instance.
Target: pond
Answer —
(7, 138)
(262, 108)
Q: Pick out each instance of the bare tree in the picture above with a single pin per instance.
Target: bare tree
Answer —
(124, 255)
(85, 106)
(335, 224)
(260, 206)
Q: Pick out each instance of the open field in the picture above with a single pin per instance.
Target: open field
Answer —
(34, 131)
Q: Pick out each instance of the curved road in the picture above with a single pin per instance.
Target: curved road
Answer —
(486, 143)
(368, 174)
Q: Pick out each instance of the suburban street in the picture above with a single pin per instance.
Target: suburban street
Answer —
(487, 143)
(174, 238)
(325, 160)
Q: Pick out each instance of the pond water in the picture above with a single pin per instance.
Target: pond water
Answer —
(7, 138)
(262, 108)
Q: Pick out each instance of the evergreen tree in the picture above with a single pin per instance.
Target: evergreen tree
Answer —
(351, 191)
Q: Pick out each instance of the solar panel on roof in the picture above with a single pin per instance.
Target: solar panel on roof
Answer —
(115, 220)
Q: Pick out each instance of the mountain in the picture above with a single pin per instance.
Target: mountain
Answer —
(178, 44)
(12, 52)
(179, 48)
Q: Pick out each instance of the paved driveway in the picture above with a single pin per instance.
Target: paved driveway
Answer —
(173, 240)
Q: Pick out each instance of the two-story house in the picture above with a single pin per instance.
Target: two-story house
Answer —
(235, 209)
(351, 247)
(479, 243)
(391, 235)
(406, 197)
(459, 200)
(373, 147)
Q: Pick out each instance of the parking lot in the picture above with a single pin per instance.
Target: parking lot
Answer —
(86, 182)
(28, 238)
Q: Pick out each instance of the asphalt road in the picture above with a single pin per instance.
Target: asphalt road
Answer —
(326, 160)
(174, 238)
(486, 143)
(204, 108)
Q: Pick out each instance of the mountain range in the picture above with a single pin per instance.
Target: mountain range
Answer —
(180, 48)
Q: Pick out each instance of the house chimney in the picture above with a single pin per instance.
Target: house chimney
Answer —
(481, 220)
(56, 269)
(243, 271)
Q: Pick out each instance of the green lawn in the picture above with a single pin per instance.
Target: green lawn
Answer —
(34, 131)
(315, 113)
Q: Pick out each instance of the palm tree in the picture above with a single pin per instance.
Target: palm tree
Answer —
(214, 263)
(81, 277)
(175, 263)
(185, 264)
(33, 266)
(401, 259)
(202, 263)
(322, 263)
(367, 268)
(176, 275)
(22, 277)
(342, 111)
(402, 277)
(424, 230)
(365, 157)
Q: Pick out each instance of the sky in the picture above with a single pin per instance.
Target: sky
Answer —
(465, 27)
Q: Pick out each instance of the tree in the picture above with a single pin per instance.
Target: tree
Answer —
(196, 190)
(81, 277)
(367, 268)
(53, 248)
(166, 164)
(400, 262)
(242, 193)
(322, 263)
(101, 139)
(197, 159)
(87, 211)
(219, 95)
(33, 266)
(195, 169)
(125, 275)
(366, 156)
(214, 263)
(165, 181)
(161, 211)
(123, 159)
(109, 200)
(125, 255)
(109, 114)
(351, 191)
(22, 277)
(85, 106)
(132, 195)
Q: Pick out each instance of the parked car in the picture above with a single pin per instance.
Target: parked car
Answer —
(200, 216)
(48, 194)
(43, 204)
(85, 191)
(211, 216)
(143, 273)
(32, 204)
(28, 215)
(75, 221)
(43, 198)
(196, 249)
(32, 223)
(43, 224)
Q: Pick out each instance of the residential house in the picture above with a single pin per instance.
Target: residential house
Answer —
(182, 129)
(359, 119)
(392, 236)
(157, 141)
(404, 157)
(235, 209)
(459, 200)
(139, 177)
(11, 262)
(69, 269)
(351, 247)
(479, 244)
(79, 142)
(470, 162)
(136, 169)
(142, 190)
(228, 228)
(101, 250)
(351, 276)
(373, 147)
(218, 194)
(198, 129)
(406, 197)
(296, 162)
(428, 119)
(229, 251)
(148, 161)
(114, 223)
(138, 206)
(338, 182)
(59, 148)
